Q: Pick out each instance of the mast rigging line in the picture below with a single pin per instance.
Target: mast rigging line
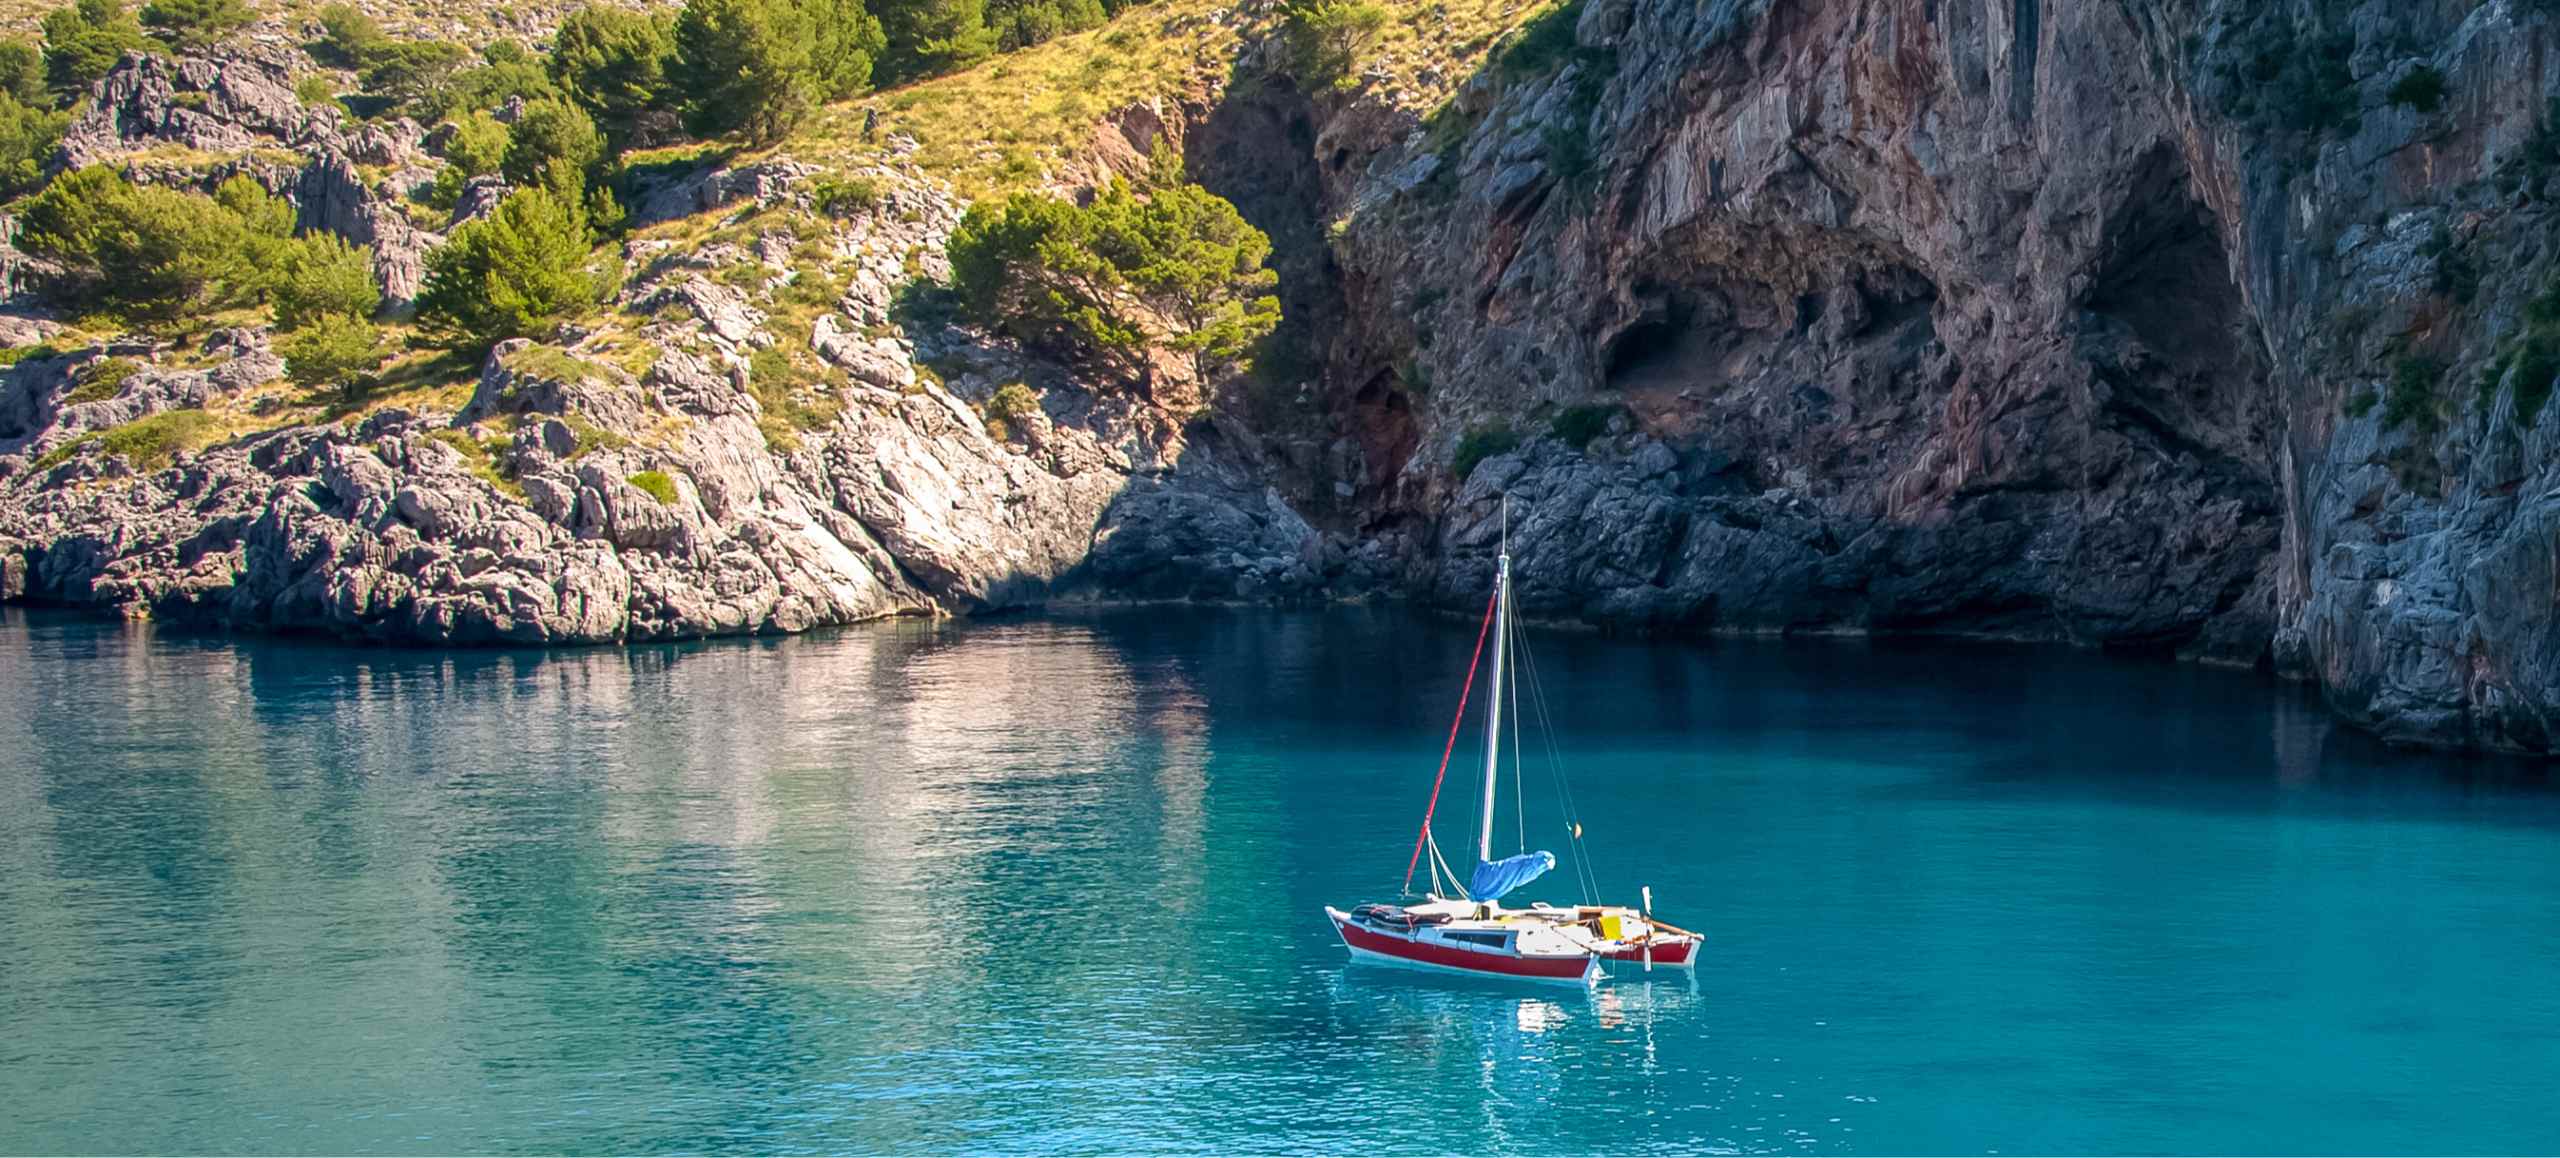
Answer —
(1586, 880)
(1452, 746)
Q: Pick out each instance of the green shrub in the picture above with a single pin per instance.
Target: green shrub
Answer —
(153, 253)
(103, 379)
(2361, 402)
(1576, 426)
(85, 40)
(2456, 276)
(614, 64)
(22, 73)
(792, 400)
(411, 73)
(1011, 403)
(2422, 89)
(323, 274)
(516, 273)
(1326, 38)
(340, 350)
(150, 443)
(758, 67)
(1023, 23)
(553, 143)
(191, 26)
(315, 89)
(477, 147)
(1049, 270)
(1480, 444)
(847, 197)
(656, 485)
(2412, 393)
(29, 134)
(2537, 365)
(1542, 44)
(922, 38)
(348, 37)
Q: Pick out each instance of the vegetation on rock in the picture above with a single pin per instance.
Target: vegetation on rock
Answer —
(613, 63)
(149, 443)
(101, 380)
(340, 350)
(195, 25)
(515, 274)
(323, 274)
(1326, 38)
(153, 253)
(2422, 89)
(84, 40)
(656, 485)
(1177, 260)
(1479, 444)
(759, 67)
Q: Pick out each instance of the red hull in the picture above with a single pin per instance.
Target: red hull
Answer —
(1674, 953)
(1464, 960)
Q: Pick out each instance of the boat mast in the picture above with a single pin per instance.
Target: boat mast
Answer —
(1493, 703)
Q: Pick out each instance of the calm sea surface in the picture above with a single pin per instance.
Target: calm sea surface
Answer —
(1054, 886)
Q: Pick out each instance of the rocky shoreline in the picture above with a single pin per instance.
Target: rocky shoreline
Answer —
(1992, 321)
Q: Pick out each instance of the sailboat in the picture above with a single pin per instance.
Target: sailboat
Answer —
(1464, 927)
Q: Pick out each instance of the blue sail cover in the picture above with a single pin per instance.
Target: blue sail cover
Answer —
(1496, 877)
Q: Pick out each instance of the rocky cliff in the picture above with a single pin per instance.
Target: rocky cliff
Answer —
(2183, 326)
(2193, 327)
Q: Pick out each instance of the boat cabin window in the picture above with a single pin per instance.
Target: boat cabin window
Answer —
(1496, 940)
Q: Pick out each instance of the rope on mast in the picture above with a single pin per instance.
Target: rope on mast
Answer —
(1519, 798)
(1424, 837)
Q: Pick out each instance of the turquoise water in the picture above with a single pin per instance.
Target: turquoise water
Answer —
(1054, 886)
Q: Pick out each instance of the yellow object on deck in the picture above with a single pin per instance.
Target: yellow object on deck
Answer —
(1610, 927)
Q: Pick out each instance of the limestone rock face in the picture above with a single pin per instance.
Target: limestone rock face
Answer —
(2037, 320)
(2045, 319)
(331, 195)
(523, 517)
(209, 105)
(246, 105)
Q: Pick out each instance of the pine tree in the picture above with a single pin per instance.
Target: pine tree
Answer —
(553, 144)
(84, 41)
(323, 274)
(28, 136)
(195, 25)
(158, 254)
(613, 63)
(22, 72)
(334, 349)
(514, 274)
(1051, 271)
(849, 43)
(932, 37)
(745, 66)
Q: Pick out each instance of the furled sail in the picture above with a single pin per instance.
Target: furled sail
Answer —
(1494, 878)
